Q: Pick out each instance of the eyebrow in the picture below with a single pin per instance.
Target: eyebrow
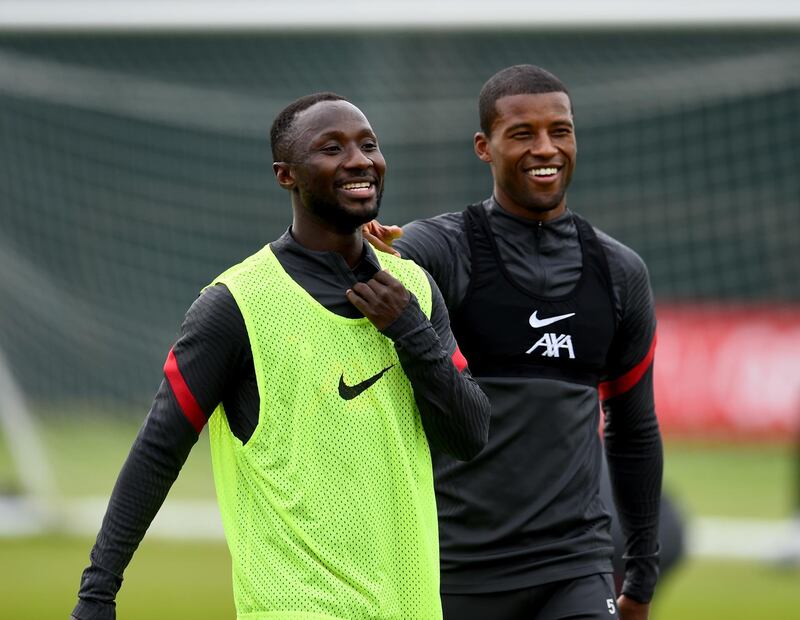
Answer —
(516, 126)
(526, 125)
(337, 134)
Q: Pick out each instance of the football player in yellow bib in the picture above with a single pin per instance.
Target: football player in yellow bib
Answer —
(325, 371)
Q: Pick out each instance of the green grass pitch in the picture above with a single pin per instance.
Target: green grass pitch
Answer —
(39, 575)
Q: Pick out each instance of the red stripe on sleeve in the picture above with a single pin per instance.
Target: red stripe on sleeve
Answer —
(609, 389)
(459, 360)
(183, 395)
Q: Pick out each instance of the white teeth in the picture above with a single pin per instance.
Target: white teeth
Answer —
(363, 185)
(542, 172)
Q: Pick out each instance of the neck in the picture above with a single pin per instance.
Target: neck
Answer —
(324, 239)
(530, 213)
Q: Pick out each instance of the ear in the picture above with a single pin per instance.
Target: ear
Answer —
(284, 175)
(481, 144)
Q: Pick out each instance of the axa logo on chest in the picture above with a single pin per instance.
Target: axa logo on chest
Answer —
(550, 343)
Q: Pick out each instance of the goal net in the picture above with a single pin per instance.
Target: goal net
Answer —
(136, 167)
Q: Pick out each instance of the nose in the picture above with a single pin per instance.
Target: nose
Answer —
(542, 145)
(356, 158)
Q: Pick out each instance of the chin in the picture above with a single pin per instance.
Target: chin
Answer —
(349, 220)
(364, 212)
(546, 205)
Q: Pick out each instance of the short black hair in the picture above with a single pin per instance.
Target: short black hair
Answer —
(515, 80)
(280, 132)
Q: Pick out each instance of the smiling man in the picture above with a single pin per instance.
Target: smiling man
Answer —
(554, 317)
(324, 376)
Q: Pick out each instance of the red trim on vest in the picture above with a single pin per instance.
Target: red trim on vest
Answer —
(183, 395)
(459, 360)
(610, 389)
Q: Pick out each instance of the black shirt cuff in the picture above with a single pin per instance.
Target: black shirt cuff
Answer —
(641, 575)
(93, 610)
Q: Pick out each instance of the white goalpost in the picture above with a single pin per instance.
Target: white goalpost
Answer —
(36, 507)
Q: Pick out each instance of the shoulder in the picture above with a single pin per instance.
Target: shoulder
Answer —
(213, 345)
(408, 271)
(635, 305)
(426, 235)
(624, 263)
(400, 264)
(630, 280)
(252, 263)
(214, 306)
(445, 222)
(213, 297)
(436, 243)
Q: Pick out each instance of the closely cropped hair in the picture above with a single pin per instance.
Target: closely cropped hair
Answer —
(280, 134)
(515, 80)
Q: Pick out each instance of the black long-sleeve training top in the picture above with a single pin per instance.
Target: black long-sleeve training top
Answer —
(211, 362)
(526, 511)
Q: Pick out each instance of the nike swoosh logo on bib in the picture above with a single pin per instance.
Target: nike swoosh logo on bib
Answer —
(536, 322)
(349, 392)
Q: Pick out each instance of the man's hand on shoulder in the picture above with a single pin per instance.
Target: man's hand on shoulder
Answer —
(632, 610)
(381, 236)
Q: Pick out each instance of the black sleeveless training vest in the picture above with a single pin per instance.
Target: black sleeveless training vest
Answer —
(506, 331)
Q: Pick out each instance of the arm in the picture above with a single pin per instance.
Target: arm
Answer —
(156, 457)
(633, 440)
(454, 410)
(635, 463)
(197, 372)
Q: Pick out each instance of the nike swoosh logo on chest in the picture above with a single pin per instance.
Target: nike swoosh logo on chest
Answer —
(349, 392)
(536, 322)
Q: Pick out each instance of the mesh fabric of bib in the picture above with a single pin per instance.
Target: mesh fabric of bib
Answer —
(329, 508)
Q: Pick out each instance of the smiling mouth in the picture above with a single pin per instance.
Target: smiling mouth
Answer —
(542, 172)
(361, 186)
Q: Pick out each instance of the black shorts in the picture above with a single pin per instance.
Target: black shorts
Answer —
(583, 598)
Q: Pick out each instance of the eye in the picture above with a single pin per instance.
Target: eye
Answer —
(331, 149)
(520, 135)
(370, 146)
(562, 131)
